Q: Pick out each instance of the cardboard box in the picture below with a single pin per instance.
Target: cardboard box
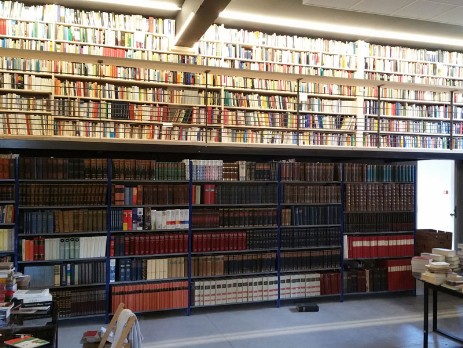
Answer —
(426, 239)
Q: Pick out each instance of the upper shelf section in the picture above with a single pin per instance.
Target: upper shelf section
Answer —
(101, 78)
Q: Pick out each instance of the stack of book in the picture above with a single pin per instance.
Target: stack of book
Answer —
(436, 272)
(435, 257)
(5, 310)
(460, 253)
(454, 281)
(450, 257)
(419, 263)
(7, 281)
(34, 300)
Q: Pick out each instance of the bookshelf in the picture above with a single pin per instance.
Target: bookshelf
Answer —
(234, 232)
(379, 227)
(62, 230)
(8, 212)
(198, 233)
(310, 229)
(148, 255)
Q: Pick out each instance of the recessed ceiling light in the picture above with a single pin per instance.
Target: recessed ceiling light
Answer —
(155, 5)
(340, 29)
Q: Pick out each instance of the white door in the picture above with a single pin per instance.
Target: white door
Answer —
(435, 195)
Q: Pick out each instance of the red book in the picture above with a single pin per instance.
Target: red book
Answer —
(135, 195)
(126, 245)
(222, 244)
(152, 244)
(112, 243)
(137, 247)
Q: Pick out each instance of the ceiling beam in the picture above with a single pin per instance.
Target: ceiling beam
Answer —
(190, 28)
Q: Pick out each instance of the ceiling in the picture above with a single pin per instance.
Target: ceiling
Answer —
(426, 17)
(441, 11)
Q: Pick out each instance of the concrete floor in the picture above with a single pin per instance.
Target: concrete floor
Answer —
(388, 321)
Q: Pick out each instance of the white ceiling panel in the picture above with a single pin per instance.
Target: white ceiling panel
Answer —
(451, 2)
(338, 4)
(382, 7)
(452, 17)
(424, 10)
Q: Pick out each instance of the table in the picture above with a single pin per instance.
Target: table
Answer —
(41, 324)
(435, 289)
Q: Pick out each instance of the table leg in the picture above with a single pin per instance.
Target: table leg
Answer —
(425, 318)
(434, 310)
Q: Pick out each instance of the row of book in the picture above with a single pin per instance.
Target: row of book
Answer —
(6, 214)
(79, 302)
(309, 237)
(7, 192)
(382, 275)
(150, 194)
(68, 194)
(234, 194)
(125, 96)
(355, 172)
(52, 168)
(25, 124)
(310, 260)
(307, 171)
(127, 270)
(379, 222)
(63, 221)
(137, 219)
(408, 94)
(255, 289)
(234, 290)
(64, 274)
(234, 217)
(386, 124)
(311, 215)
(148, 244)
(221, 265)
(7, 164)
(135, 169)
(138, 169)
(365, 280)
(107, 129)
(39, 248)
(16, 102)
(266, 118)
(151, 297)
(217, 170)
(396, 245)
(409, 141)
(311, 194)
(380, 197)
(101, 36)
(6, 239)
(100, 19)
(268, 239)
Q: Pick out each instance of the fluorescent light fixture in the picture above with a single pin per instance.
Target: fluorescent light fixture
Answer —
(183, 28)
(339, 29)
(155, 5)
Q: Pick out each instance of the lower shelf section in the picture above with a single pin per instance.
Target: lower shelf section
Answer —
(379, 275)
(79, 302)
(151, 297)
(263, 288)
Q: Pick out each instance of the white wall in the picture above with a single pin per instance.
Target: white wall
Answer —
(435, 194)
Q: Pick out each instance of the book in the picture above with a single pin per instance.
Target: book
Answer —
(91, 336)
(26, 342)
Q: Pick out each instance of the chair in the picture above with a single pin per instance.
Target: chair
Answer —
(123, 322)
